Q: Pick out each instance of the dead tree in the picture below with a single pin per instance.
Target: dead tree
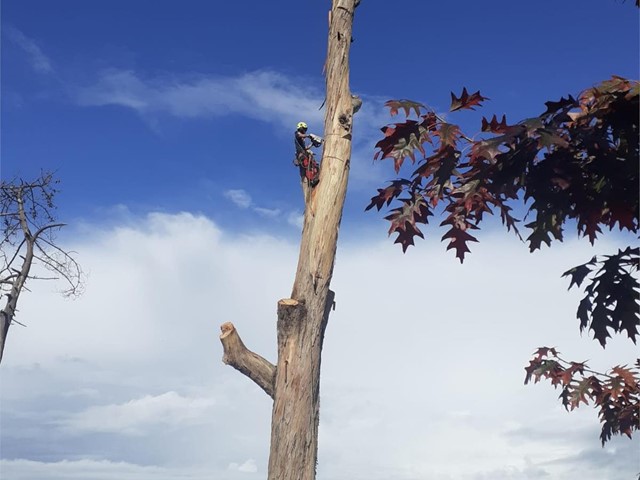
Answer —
(294, 382)
(28, 250)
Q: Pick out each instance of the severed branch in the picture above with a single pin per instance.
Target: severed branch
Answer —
(261, 371)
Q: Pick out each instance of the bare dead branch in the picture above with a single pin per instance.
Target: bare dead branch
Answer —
(47, 227)
(25, 208)
(23, 216)
(67, 267)
(38, 277)
(16, 253)
(9, 279)
(13, 320)
(261, 371)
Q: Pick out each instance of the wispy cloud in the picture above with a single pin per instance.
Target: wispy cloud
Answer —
(90, 469)
(295, 219)
(133, 417)
(239, 197)
(38, 60)
(268, 212)
(248, 467)
(242, 199)
(261, 95)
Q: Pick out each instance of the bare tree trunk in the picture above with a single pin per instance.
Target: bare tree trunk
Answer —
(9, 310)
(17, 278)
(302, 319)
(26, 209)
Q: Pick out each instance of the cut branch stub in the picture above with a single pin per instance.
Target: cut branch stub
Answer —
(261, 371)
(290, 314)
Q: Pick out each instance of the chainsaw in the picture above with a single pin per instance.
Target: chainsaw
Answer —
(316, 141)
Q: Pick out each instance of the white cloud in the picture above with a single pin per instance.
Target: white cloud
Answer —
(83, 392)
(248, 467)
(268, 212)
(135, 416)
(241, 198)
(295, 219)
(38, 60)
(85, 469)
(434, 389)
(89, 469)
(262, 95)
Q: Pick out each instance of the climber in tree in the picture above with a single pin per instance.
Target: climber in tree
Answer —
(305, 160)
(300, 136)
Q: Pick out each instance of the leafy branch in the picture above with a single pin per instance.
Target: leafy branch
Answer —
(616, 393)
(575, 164)
(611, 297)
(577, 161)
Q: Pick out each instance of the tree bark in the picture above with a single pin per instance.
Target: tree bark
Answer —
(302, 319)
(27, 221)
(245, 361)
(9, 310)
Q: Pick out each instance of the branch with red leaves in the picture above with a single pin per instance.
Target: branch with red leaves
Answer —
(616, 394)
(611, 296)
(576, 161)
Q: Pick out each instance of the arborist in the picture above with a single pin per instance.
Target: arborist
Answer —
(304, 160)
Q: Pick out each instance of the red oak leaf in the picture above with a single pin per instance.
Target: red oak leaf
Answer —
(406, 105)
(466, 101)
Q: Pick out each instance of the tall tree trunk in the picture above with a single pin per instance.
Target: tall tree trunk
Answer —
(294, 383)
(9, 310)
(27, 221)
(18, 277)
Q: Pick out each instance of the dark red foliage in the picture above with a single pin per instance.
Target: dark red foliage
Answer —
(493, 126)
(611, 298)
(406, 105)
(577, 165)
(404, 218)
(466, 101)
(576, 161)
(386, 195)
(616, 393)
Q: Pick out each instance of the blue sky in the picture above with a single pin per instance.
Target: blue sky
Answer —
(158, 105)
(170, 127)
